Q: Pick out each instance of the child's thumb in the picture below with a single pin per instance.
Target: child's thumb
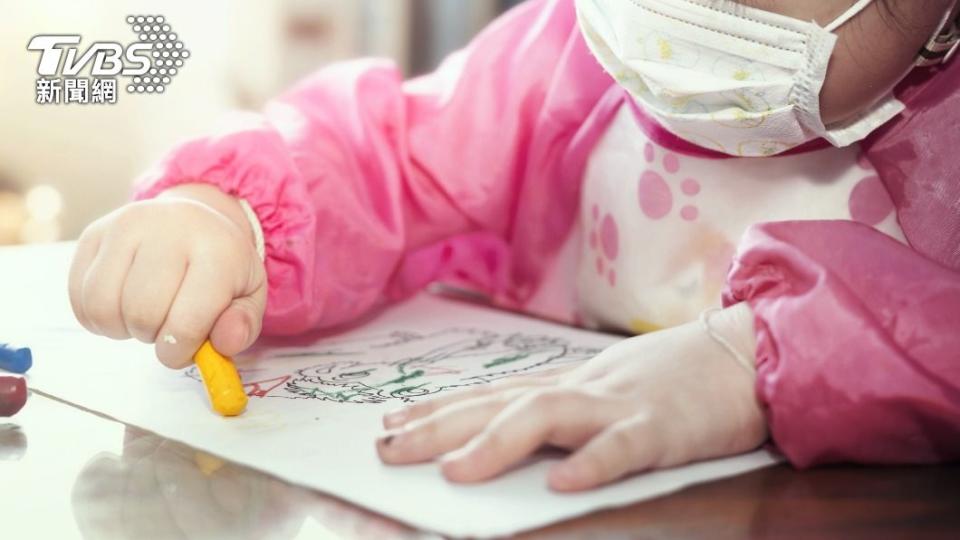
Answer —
(239, 325)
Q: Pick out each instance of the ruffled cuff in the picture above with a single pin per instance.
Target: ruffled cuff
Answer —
(253, 164)
(857, 340)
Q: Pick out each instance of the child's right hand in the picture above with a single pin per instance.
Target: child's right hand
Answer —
(172, 271)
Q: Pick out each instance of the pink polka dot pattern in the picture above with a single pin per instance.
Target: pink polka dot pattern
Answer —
(671, 163)
(690, 187)
(870, 202)
(609, 237)
(605, 243)
(654, 195)
(689, 213)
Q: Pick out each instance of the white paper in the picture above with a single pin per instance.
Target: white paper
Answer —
(315, 409)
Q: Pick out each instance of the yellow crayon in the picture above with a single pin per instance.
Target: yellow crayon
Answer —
(221, 380)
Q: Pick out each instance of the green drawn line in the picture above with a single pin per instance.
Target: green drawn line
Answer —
(403, 378)
(504, 360)
(406, 389)
(338, 396)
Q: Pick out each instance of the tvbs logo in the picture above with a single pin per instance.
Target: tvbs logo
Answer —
(149, 64)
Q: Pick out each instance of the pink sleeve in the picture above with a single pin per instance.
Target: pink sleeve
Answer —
(357, 176)
(858, 343)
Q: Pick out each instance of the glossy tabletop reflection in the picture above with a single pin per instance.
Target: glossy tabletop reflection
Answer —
(66, 473)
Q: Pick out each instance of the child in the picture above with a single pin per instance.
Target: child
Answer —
(599, 162)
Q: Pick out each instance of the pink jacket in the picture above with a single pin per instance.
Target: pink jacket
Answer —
(369, 187)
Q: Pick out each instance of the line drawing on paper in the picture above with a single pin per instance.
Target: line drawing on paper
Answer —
(403, 366)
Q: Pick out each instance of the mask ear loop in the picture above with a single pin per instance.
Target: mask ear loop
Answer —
(847, 15)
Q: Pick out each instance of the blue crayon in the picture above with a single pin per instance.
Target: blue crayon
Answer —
(15, 360)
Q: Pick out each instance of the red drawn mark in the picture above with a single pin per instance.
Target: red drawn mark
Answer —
(262, 388)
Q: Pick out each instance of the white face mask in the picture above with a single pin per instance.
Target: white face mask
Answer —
(722, 75)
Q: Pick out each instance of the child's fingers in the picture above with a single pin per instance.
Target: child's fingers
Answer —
(445, 430)
(87, 248)
(521, 428)
(422, 409)
(148, 291)
(201, 299)
(631, 445)
(102, 284)
(239, 325)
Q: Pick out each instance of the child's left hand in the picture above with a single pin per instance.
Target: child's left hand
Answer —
(654, 401)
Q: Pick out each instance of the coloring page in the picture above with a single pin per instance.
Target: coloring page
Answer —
(315, 409)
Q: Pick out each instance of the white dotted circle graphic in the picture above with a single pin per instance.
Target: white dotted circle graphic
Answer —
(166, 51)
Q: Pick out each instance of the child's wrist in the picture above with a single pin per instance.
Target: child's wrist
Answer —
(227, 205)
(739, 323)
(733, 328)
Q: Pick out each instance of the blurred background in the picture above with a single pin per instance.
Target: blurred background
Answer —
(62, 166)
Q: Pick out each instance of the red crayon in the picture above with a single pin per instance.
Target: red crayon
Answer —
(13, 394)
